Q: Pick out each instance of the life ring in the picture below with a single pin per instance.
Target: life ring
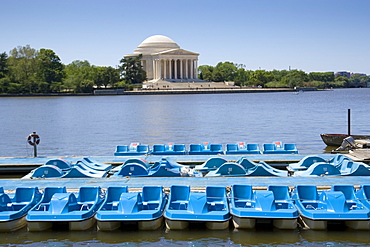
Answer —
(33, 139)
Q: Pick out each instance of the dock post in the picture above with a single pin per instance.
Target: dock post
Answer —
(349, 122)
(34, 148)
(33, 139)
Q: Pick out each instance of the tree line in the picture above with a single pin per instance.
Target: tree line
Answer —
(228, 71)
(29, 71)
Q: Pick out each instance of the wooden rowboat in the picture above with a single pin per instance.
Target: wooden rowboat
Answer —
(337, 139)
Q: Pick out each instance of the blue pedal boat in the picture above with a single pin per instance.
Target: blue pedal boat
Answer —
(248, 207)
(131, 160)
(242, 148)
(305, 163)
(53, 168)
(319, 169)
(132, 150)
(228, 169)
(14, 208)
(205, 149)
(144, 208)
(82, 171)
(279, 148)
(92, 164)
(260, 169)
(317, 208)
(163, 168)
(44, 203)
(75, 209)
(210, 207)
(211, 164)
(169, 149)
(352, 168)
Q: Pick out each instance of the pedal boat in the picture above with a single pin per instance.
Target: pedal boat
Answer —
(13, 208)
(209, 207)
(274, 205)
(59, 206)
(121, 206)
(319, 208)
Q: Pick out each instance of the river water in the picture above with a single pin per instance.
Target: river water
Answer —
(93, 126)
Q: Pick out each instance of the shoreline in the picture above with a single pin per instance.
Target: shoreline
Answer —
(114, 92)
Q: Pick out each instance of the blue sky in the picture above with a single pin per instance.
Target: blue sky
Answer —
(309, 35)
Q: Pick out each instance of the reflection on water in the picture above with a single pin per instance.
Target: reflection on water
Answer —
(191, 237)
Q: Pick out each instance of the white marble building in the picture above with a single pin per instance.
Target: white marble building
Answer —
(163, 59)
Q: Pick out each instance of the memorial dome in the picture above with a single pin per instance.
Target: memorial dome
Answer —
(156, 43)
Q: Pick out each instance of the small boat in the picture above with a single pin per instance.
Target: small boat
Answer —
(318, 169)
(260, 169)
(305, 163)
(211, 164)
(205, 149)
(275, 205)
(133, 149)
(318, 208)
(169, 149)
(337, 139)
(279, 148)
(75, 209)
(140, 161)
(210, 207)
(92, 164)
(228, 169)
(242, 148)
(13, 208)
(163, 168)
(80, 170)
(345, 168)
(121, 206)
(246, 167)
(59, 168)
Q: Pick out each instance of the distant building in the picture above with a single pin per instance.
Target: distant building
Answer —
(163, 59)
(344, 73)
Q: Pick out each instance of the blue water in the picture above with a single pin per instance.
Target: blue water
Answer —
(93, 126)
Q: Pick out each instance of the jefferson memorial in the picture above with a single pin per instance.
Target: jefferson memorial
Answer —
(163, 59)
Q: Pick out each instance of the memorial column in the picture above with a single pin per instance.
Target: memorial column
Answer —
(165, 69)
(196, 69)
(181, 69)
(170, 68)
(175, 69)
(186, 69)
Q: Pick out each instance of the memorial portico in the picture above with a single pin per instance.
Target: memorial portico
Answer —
(163, 59)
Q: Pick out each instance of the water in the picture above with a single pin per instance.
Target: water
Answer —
(95, 125)
(195, 237)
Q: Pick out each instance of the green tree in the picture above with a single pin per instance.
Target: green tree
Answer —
(132, 70)
(359, 80)
(321, 76)
(106, 76)
(295, 78)
(227, 70)
(241, 76)
(23, 68)
(341, 81)
(205, 72)
(80, 77)
(261, 77)
(3, 65)
(50, 71)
